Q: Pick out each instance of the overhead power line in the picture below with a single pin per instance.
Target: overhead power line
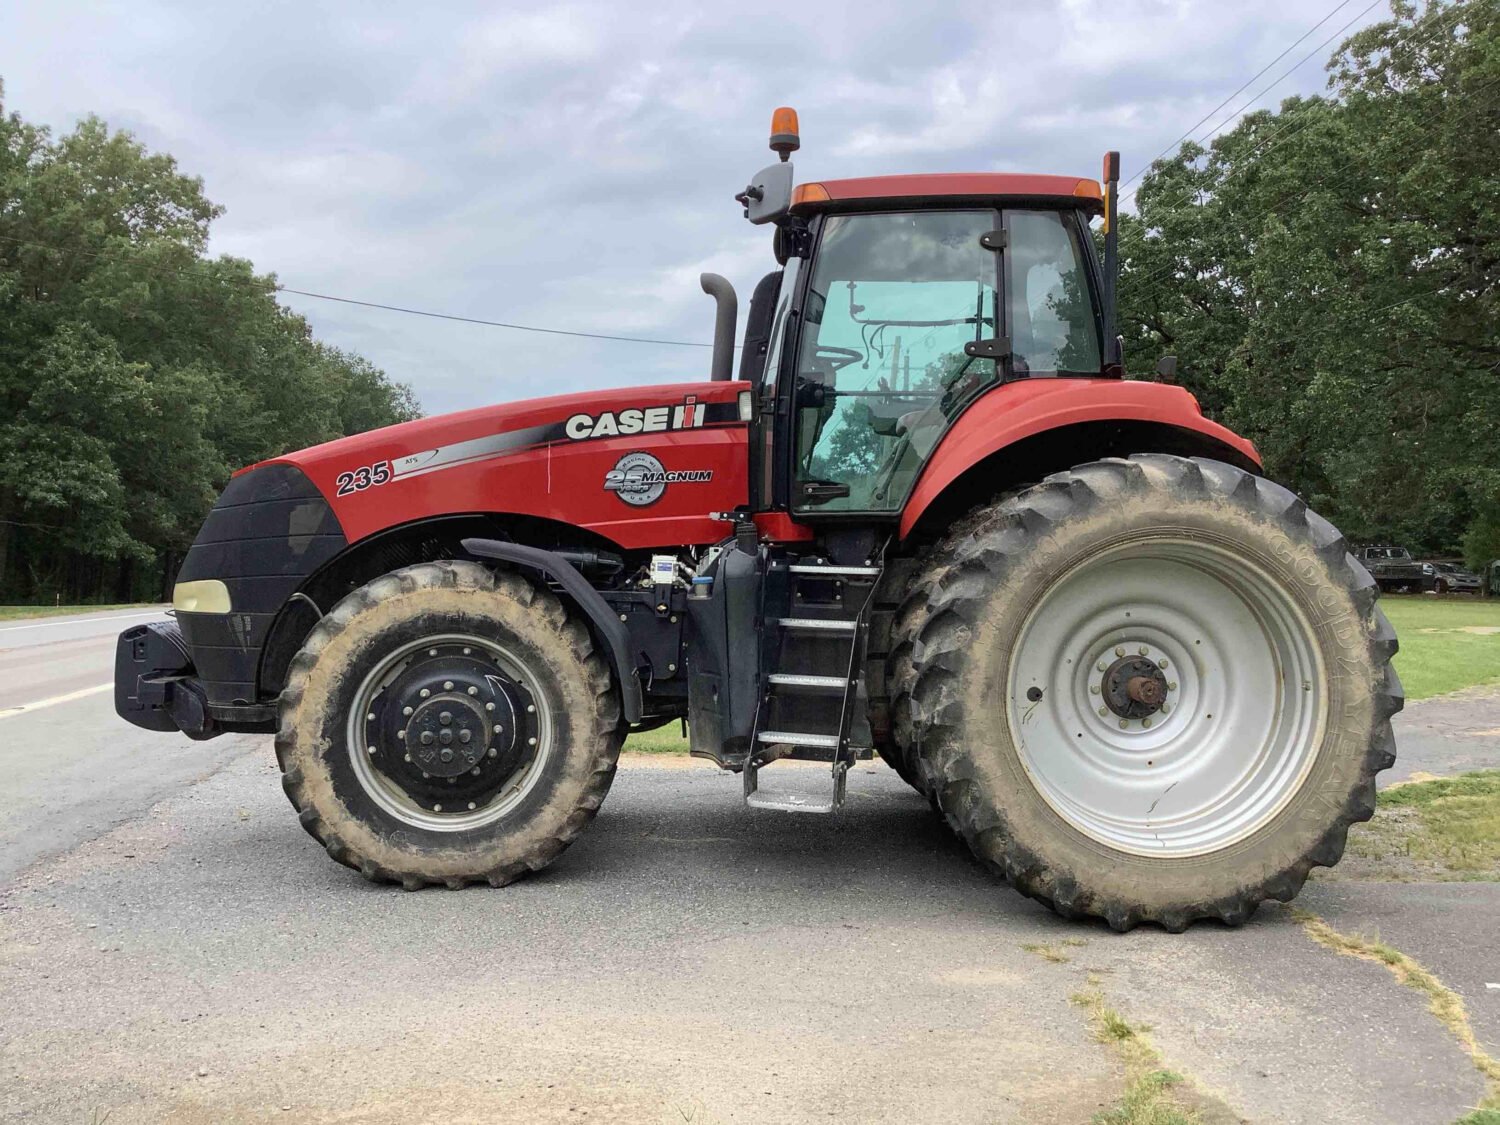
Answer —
(159, 268)
(1191, 129)
(494, 323)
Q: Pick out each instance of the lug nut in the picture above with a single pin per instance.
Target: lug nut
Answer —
(493, 754)
(1102, 666)
(464, 735)
(1172, 686)
(1119, 650)
(432, 652)
(1162, 663)
(1094, 690)
(1165, 708)
(530, 707)
(473, 691)
(531, 742)
(1124, 723)
(497, 728)
(1103, 711)
(1145, 722)
(489, 706)
(406, 710)
(424, 693)
(447, 685)
(1143, 650)
(370, 718)
(406, 757)
(425, 774)
(371, 749)
(437, 808)
(471, 805)
(475, 771)
(467, 650)
(401, 734)
(427, 738)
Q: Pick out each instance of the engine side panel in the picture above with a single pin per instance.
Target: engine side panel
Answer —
(641, 466)
(1018, 410)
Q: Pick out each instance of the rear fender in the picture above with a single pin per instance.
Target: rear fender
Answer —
(1021, 431)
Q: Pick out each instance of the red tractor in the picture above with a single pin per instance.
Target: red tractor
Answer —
(930, 518)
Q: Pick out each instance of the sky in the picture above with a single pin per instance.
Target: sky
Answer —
(573, 165)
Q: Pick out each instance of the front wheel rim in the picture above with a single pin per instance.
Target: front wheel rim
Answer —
(510, 713)
(1232, 697)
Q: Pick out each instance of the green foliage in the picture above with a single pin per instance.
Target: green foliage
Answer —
(135, 372)
(1329, 277)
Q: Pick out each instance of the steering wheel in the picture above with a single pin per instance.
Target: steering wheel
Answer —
(837, 358)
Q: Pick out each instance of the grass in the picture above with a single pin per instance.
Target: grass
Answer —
(1444, 1004)
(1444, 829)
(1150, 1089)
(1436, 655)
(19, 612)
(662, 740)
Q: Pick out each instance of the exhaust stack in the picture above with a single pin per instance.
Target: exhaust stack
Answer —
(729, 308)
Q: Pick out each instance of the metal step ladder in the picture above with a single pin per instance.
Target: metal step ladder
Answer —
(815, 614)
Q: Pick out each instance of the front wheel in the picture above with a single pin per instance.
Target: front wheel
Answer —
(446, 724)
(1149, 689)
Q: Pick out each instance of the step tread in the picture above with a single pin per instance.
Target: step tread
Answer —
(798, 738)
(826, 624)
(791, 802)
(796, 679)
(830, 568)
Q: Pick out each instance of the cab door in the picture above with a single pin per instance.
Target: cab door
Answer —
(907, 318)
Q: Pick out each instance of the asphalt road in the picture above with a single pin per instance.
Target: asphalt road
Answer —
(174, 948)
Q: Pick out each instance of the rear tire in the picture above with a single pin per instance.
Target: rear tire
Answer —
(1032, 617)
(446, 651)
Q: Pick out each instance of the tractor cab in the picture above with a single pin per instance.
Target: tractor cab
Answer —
(901, 301)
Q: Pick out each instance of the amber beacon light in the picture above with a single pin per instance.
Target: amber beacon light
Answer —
(784, 132)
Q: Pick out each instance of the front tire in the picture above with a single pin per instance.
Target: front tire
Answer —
(447, 724)
(1148, 689)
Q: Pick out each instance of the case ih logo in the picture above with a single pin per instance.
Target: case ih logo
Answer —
(640, 479)
(688, 415)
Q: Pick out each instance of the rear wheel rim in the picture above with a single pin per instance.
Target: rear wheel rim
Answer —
(470, 802)
(1240, 678)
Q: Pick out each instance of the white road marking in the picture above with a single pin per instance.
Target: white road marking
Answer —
(12, 712)
(1491, 984)
(80, 621)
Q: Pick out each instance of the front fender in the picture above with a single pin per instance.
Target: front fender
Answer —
(1013, 412)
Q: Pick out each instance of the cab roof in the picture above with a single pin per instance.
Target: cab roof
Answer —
(949, 186)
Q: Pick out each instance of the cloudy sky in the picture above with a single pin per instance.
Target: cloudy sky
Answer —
(573, 165)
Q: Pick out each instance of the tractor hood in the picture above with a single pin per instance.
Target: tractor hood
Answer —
(641, 466)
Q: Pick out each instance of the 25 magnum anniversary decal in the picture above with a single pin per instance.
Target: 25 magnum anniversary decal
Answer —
(640, 479)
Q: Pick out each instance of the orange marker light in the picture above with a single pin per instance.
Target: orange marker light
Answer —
(785, 137)
(809, 193)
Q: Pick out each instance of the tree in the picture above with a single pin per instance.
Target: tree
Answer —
(136, 373)
(1327, 275)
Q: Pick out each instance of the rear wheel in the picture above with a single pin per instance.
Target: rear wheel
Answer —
(447, 724)
(1155, 689)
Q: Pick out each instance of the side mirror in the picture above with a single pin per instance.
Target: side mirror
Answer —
(1166, 367)
(769, 195)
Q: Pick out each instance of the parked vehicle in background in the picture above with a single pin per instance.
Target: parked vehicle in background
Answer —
(1392, 568)
(1492, 579)
(1449, 578)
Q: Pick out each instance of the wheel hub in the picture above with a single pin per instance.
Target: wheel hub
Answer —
(447, 734)
(1133, 687)
(450, 729)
